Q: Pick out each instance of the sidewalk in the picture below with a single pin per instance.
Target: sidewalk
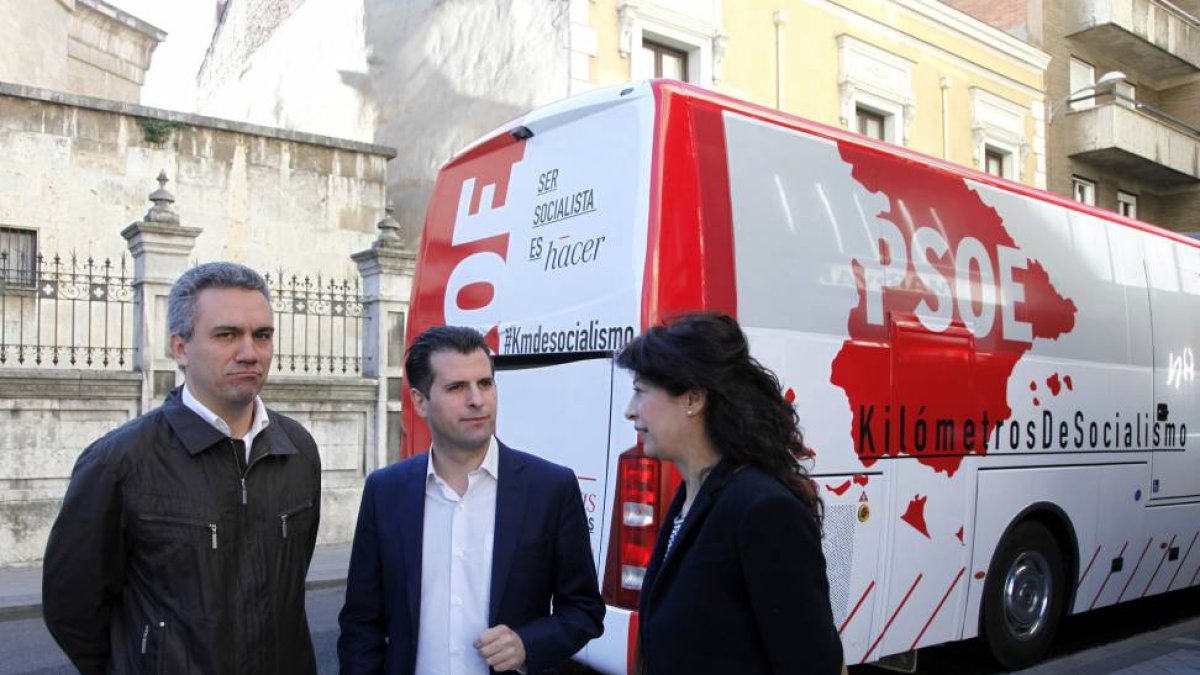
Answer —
(1172, 650)
(21, 587)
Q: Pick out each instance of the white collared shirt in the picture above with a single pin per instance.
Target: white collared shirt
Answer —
(259, 422)
(456, 569)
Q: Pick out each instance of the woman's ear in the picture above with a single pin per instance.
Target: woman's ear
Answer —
(696, 400)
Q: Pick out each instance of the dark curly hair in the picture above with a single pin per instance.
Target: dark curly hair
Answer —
(746, 415)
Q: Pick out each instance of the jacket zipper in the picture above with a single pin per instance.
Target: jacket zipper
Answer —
(212, 527)
(242, 478)
(283, 517)
(146, 635)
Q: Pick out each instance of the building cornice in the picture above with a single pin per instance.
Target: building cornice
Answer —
(124, 18)
(190, 119)
(978, 31)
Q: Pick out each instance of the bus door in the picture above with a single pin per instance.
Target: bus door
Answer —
(559, 408)
(1173, 272)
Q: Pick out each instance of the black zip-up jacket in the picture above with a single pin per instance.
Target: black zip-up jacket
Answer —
(169, 557)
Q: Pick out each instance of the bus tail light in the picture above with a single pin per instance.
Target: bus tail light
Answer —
(642, 494)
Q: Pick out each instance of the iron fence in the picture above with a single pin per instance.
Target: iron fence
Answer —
(318, 324)
(68, 313)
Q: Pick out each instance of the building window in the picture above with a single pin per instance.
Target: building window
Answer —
(1084, 190)
(1127, 204)
(871, 122)
(995, 161)
(660, 61)
(878, 83)
(682, 41)
(997, 134)
(1083, 75)
(18, 256)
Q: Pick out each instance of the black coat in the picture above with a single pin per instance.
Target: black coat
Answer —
(744, 589)
(165, 558)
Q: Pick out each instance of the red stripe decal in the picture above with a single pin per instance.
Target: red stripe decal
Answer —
(691, 214)
(1135, 569)
(856, 606)
(631, 642)
(937, 609)
(1089, 569)
(894, 615)
(1160, 564)
(1181, 562)
(1122, 552)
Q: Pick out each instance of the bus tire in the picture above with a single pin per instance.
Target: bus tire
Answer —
(1024, 595)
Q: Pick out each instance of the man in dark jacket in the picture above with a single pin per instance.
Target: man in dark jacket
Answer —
(185, 535)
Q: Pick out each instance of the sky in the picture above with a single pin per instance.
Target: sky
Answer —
(171, 80)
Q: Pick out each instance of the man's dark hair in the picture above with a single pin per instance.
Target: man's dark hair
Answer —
(181, 302)
(460, 339)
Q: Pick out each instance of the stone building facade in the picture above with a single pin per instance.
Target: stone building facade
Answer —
(82, 290)
(85, 47)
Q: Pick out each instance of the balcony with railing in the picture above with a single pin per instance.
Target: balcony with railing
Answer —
(1156, 38)
(1139, 141)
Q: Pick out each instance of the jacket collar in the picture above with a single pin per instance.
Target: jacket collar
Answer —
(197, 435)
(662, 563)
(512, 491)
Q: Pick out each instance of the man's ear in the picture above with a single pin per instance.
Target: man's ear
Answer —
(178, 351)
(420, 402)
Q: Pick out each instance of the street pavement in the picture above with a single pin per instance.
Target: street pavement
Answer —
(1157, 635)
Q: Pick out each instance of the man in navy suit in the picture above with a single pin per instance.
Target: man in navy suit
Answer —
(471, 558)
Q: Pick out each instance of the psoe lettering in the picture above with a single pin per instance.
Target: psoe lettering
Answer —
(997, 287)
(561, 254)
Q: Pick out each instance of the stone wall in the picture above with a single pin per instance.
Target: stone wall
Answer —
(78, 169)
(47, 418)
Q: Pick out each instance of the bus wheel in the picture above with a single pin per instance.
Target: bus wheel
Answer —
(1023, 597)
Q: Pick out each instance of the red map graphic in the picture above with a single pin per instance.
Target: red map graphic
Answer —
(915, 515)
(897, 372)
(838, 489)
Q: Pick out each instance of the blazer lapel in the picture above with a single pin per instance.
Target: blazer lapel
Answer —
(691, 525)
(511, 498)
(411, 528)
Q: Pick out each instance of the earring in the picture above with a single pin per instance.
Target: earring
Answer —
(691, 412)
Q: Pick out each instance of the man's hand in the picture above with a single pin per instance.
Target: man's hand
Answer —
(501, 647)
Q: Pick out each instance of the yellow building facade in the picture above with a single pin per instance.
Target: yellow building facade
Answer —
(917, 73)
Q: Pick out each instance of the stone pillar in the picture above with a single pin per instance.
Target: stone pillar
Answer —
(160, 248)
(387, 271)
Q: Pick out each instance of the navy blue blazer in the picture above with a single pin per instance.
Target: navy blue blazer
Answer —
(543, 578)
(743, 590)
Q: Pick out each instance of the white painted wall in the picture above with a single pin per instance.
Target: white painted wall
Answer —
(424, 76)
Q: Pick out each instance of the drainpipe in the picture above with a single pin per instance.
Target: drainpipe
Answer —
(780, 19)
(945, 85)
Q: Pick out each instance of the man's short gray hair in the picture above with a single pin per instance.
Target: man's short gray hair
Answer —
(181, 303)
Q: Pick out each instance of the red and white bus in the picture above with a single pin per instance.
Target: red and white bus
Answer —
(999, 383)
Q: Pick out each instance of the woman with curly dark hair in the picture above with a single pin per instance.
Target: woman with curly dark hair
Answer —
(737, 580)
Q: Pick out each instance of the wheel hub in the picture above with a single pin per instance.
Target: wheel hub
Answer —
(1027, 589)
